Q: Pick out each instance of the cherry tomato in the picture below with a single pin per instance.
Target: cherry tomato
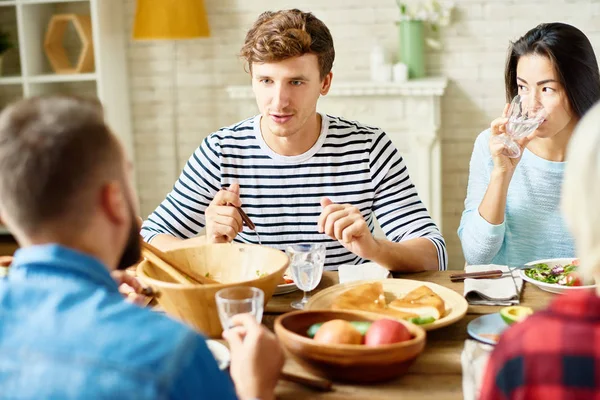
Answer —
(573, 279)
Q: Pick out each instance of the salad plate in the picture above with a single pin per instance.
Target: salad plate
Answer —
(285, 288)
(288, 287)
(554, 275)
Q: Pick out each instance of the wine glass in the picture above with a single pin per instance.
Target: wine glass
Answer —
(306, 264)
(239, 300)
(523, 119)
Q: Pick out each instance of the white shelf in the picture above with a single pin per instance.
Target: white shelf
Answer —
(26, 2)
(108, 81)
(55, 78)
(11, 80)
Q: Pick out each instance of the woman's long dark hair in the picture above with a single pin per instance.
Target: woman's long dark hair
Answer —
(572, 56)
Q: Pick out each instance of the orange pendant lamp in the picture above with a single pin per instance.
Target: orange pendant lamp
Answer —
(170, 19)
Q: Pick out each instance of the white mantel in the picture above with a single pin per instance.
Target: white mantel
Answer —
(433, 86)
(409, 112)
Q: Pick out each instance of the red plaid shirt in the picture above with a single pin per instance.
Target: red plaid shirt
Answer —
(554, 354)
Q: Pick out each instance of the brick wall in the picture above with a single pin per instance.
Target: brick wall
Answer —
(178, 94)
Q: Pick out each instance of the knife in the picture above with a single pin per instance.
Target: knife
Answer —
(493, 274)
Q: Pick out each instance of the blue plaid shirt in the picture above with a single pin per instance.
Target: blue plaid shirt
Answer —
(67, 333)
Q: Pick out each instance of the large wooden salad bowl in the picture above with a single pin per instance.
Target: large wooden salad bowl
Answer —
(229, 264)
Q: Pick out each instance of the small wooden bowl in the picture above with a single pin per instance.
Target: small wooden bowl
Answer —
(228, 263)
(346, 363)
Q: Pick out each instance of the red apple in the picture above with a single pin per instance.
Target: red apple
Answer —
(386, 331)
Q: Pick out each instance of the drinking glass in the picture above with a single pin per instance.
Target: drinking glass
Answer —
(306, 264)
(239, 300)
(524, 117)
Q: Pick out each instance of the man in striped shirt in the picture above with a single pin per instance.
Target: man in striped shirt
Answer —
(301, 176)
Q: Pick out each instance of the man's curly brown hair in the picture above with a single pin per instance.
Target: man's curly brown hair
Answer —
(277, 36)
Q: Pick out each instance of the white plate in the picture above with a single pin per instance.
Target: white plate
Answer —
(220, 352)
(285, 288)
(553, 287)
(481, 327)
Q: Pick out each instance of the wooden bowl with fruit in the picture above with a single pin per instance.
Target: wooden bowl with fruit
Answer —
(348, 346)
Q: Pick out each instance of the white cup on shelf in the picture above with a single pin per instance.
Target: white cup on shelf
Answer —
(383, 73)
(400, 72)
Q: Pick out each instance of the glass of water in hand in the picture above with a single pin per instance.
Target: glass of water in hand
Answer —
(239, 300)
(306, 264)
(525, 115)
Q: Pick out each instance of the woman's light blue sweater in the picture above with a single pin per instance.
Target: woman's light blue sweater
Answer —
(533, 226)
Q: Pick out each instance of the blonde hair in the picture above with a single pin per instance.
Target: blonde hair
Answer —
(581, 191)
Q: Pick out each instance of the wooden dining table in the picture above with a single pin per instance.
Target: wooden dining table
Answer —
(437, 372)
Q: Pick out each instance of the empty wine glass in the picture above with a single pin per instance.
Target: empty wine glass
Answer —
(524, 117)
(239, 300)
(306, 264)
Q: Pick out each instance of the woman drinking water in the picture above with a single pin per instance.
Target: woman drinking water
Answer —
(511, 211)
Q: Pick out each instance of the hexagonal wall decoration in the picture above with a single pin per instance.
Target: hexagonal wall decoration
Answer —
(55, 50)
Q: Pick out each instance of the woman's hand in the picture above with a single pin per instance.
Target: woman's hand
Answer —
(504, 165)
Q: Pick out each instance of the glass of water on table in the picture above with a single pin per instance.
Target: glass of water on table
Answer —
(306, 264)
(239, 300)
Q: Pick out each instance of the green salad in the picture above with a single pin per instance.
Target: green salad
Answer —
(565, 275)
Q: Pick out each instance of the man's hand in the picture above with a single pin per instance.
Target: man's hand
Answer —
(256, 358)
(345, 223)
(5, 261)
(223, 222)
(130, 287)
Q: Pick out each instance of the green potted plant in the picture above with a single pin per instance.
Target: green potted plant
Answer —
(5, 45)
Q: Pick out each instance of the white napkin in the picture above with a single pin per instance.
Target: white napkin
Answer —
(362, 272)
(220, 352)
(493, 292)
(474, 360)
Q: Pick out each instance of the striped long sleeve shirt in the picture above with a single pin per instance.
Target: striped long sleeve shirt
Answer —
(349, 163)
